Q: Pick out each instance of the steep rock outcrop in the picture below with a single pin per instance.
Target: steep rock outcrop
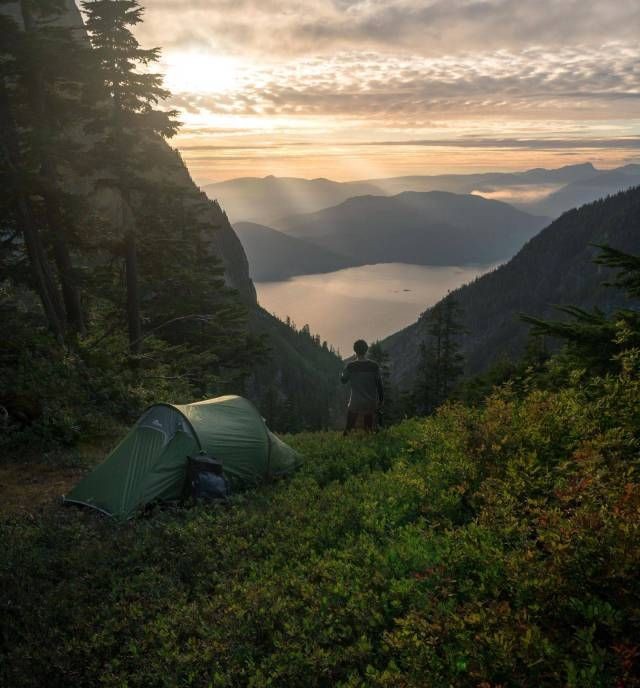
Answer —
(223, 240)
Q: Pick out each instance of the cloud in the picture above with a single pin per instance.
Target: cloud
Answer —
(630, 143)
(568, 83)
(543, 144)
(261, 79)
(427, 27)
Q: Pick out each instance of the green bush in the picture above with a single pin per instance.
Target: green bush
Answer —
(56, 396)
(483, 547)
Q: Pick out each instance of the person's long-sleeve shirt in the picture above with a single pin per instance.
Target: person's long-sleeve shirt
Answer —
(363, 376)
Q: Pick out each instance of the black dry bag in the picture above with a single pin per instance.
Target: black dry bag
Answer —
(205, 479)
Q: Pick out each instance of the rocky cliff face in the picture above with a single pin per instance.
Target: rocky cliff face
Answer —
(227, 247)
(224, 243)
(222, 239)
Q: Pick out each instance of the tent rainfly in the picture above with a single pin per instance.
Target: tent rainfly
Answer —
(150, 462)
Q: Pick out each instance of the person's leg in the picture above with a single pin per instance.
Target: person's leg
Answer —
(368, 422)
(352, 417)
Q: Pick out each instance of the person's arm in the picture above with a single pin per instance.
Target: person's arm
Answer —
(344, 378)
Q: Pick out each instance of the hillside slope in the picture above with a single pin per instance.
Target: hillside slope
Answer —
(299, 388)
(555, 267)
(306, 364)
(433, 228)
(273, 255)
(495, 546)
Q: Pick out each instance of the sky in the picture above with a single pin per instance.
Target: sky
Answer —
(358, 89)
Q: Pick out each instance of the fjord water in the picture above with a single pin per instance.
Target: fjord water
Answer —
(371, 301)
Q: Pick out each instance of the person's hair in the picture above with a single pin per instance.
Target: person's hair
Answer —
(361, 347)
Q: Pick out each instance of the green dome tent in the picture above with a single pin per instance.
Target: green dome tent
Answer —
(150, 462)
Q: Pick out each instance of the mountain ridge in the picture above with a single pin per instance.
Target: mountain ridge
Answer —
(422, 228)
(554, 267)
(268, 199)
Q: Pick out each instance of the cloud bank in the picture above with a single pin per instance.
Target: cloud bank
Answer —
(374, 82)
(282, 28)
(568, 83)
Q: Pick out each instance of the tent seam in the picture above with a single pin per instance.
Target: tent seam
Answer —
(175, 408)
(65, 500)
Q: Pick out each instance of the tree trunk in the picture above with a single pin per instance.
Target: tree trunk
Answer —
(131, 269)
(43, 281)
(51, 192)
(40, 270)
(62, 257)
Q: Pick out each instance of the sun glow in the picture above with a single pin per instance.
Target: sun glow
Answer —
(196, 72)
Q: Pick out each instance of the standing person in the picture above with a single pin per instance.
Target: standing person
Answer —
(367, 395)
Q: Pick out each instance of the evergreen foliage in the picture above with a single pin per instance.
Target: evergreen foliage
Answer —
(298, 389)
(594, 341)
(441, 361)
(125, 123)
(91, 196)
(39, 78)
(390, 411)
(518, 374)
(628, 266)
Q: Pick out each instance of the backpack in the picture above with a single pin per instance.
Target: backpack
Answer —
(205, 479)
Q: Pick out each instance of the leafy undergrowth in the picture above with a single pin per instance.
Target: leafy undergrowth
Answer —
(487, 547)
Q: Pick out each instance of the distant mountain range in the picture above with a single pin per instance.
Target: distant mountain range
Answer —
(555, 267)
(585, 190)
(267, 199)
(274, 256)
(433, 228)
(538, 191)
(487, 181)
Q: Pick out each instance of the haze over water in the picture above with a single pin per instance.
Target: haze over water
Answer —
(369, 302)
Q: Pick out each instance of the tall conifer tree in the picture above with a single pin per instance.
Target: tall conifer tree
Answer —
(51, 60)
(127, 125)
(18, 171)
(593, 340)
(441, 362)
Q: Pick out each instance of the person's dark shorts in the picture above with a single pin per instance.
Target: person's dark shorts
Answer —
(368, 420)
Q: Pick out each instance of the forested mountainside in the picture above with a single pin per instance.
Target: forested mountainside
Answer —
(299, 388)
(431, 228)
(296, 386)
(123, 282)
(274, 255)
(553, 268)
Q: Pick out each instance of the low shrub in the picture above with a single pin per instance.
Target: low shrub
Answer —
(483, 547)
